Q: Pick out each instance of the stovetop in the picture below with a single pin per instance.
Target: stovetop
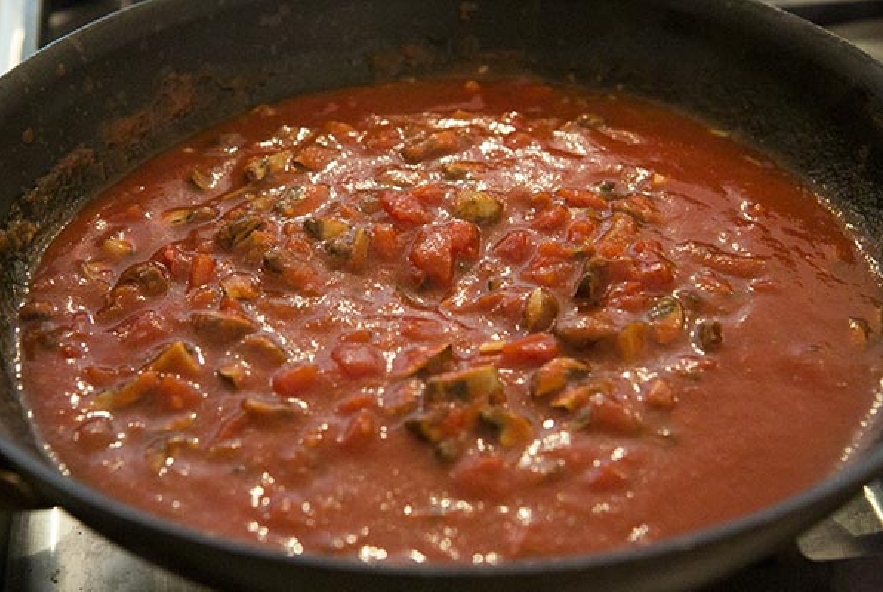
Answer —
(48, 551)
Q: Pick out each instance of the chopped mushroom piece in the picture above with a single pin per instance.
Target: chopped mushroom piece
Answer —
(709, 335)
(427, 425)
(591, 285)
(553, 376)
(117, 247)
(351, 249)
(203, 181)
(241, 286)
(477, 206)
(667, 319)
(128, 394)
(292, 269)
(178, 358)
(540, 310)
(233, 374)
(150, 278)
(264, 348)
(398, 178)
(402, 398)
(631, 340)
(221, 326)
(270, 410)
(234, 232)
(193, 215)
(35, 311)
(325, 228)
(427, 361)
(472, 384)
(859, 331)
(262, 166)
(358, 258)
(463, 170)
(96, 270)
(514, 428)
(584, 330)
(435, 145)
(491, 347)
(161, 452)
(445, 426)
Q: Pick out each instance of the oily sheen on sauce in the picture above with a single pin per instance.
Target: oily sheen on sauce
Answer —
(453, 321)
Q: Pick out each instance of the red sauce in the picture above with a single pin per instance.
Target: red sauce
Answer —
(453, 321)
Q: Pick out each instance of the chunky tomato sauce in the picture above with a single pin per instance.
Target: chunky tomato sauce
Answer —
(468, 321)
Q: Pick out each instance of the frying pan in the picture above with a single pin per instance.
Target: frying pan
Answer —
(91, 106)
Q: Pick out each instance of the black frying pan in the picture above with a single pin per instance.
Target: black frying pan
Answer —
(91, 106)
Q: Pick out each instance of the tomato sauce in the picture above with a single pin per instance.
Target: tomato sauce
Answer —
(453, 321)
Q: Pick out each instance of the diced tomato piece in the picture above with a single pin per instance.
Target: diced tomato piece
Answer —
(70, 351)
(132, 213)
(404, 207)
(550, 272)
(518, 140)
(556, 250)
(533, 350)
(553, 265)
(385, 241)
(306, 200)
(629, 296)
(551, 218)
(430, 194)
(356, 336)
(618, 237)
(143, 329)
(382, 138)
(314, 157)
(506, 303)
(435, 145)
(515, 247)
(485, 476)
(581, 231)
(360, 430)
(100, 376)
(296, 381)
(654, 269)
(204, 297)
(465, 238)
(230, 305)
(174, 394)
(432, 254)
(202, 270)
(303, 277)
(656, 274)
(355, 403)
(614, 416)
(95, 434)
(541, 201)
(421, 329)
(358, 360)
(660, 394)
(744, 266)
(582, 198)
(232, 426)
(605, 477)
(621, 269)
(711, 282)
(173, 257)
